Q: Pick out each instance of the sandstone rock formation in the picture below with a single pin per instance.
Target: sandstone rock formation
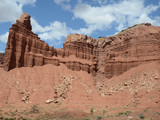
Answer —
(24, 48)
(1, 59)
(134, 46)
(108, 57)
(118, 74)
(25, 19)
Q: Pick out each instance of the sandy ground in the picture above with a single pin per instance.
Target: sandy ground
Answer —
(76, 94)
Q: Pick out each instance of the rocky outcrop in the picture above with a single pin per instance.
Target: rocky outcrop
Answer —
(110, 56)
(25, 20)
(1, 59)
(24, 48)
(134, 46)
(79, 45)
(62, 89)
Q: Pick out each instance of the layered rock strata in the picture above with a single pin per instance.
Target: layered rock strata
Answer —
(137, 45)
(108, 56)
(25, 49)
(1, 59)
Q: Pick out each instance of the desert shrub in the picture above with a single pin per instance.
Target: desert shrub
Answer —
(86, 119)
(9, 118)
(127, 113)
(104, 111)
(158, 113)
(34, 109)
(98, 118)
(1, 118)
(141, 116)
(92, 110)
(124, 113)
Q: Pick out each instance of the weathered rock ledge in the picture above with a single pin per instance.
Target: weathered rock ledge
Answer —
(110, 56)
(25, 49)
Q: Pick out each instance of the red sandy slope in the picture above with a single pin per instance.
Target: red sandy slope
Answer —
(138, 88)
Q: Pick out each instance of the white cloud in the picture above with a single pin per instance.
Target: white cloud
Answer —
(54, 31)
(35, 26)
(101, 2)
(61, 1)
(87, 30)
(25, 2)
(103, 16)
(4, 38)
(64, 4)
(122, 14)
(10, 10)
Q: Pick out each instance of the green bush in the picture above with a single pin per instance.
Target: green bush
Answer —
(92, 110)
(34, 109)
(141, 116)
(158, 113)
(98, 118)
(1, 118)
(9, 118)
(86, 119)
(124, 113)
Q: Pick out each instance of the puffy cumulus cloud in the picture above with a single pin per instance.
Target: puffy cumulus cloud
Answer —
(10, 10)
(36, 27)
(87, 30)
(54, 31)
(121, 14)
(64, 4)
(4, 38)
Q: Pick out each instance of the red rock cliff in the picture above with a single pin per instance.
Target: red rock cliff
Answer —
(110, 56)
(136, 45)
(23, 44)
(24, 48)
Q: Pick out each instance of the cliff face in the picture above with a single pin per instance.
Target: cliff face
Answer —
(110, 56)
(24, 48)
(1, 59)
(134, 46)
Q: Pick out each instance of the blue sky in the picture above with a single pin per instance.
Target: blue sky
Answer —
(53, 20)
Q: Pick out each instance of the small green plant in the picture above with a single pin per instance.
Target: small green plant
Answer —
(92, 110)
(141, 116)
(98, 118)
(13, 113)
(120, 113)
(86, 119)
(9, 118)
(158, 113)
(34, 109)
(104, 111)
(1, 118)
(124, 113)
(110, 115)
(99, 37)
(127, 113)
(145, 110)
(30, 119)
